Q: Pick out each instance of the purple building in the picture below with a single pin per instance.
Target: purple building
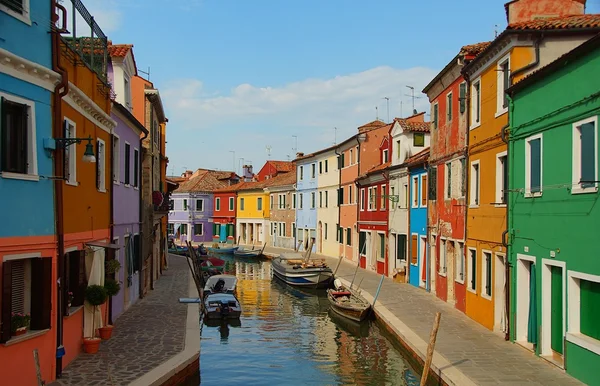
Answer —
(126, 170)
(193, 205)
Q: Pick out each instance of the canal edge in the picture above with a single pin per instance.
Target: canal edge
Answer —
(187, 362)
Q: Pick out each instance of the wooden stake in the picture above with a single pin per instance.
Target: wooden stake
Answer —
(430, 347)
(38, 371)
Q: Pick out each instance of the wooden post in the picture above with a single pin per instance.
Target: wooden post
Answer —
(338, 265)
(430, 347)
(38, 371)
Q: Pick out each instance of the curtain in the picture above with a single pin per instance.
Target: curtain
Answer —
(94, 269)
(532, 326)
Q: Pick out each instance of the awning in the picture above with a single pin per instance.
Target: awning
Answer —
(103, 244)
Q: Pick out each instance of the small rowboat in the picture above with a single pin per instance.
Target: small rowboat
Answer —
(249, 253)
(348, 302)
(222, 251)
(302, 272)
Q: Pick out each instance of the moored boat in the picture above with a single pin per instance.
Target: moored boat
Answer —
(298, 271)
(222, 250)
(249, 253)
(348, 302)
(219, 298)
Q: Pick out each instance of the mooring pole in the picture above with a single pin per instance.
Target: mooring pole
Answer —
(430, 347)
(377, 293)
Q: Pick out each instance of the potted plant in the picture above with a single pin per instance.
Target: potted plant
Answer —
(95, 295)
(112, 266)
(19, 323)
(112, 288)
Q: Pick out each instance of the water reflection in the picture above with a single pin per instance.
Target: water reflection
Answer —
(287, 335)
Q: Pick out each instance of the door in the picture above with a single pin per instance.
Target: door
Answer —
(556, 310)
(223, 233)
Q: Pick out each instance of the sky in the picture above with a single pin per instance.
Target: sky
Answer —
(246, 81)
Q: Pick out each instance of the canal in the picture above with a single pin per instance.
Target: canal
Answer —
(288, 336)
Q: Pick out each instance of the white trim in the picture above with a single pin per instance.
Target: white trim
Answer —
(574, 334)
(443, 271)
(473, 124)
(528, 193)
(128, 184)
(116, 158)
(89, 109)
(484, 274)
(546, 330)
(101, 160)
(576, 176)
(72, 154)
(463, 260)
(414, 194)
(24, 17)
(523, 297)
(21, 256)
(468, 261)
(423, 188)
(500, 110)
(32, 167)
(475, 189)
(27, 71)
(137, 181)
(500, 179)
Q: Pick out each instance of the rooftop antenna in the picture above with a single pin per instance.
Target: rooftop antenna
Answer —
(495, 31)
(376, 113)
(413, 98)
(295, 148)
(144, 72)
(388, 108)
(268, 148)
(400, 109)
(288, 157)
(335, 135)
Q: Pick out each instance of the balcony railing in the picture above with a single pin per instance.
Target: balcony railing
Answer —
(161, 202)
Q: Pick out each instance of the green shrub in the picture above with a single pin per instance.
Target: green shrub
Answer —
(96, 294)
(112, 287)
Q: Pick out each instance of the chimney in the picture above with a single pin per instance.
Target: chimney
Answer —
(526, 10)
(247, 173)
(299, 154)
(417, 117)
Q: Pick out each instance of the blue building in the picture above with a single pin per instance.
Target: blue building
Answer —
(27, 242)
(306, 200)
(418, 197)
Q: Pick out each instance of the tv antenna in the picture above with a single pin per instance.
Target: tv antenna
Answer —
(376, 113)
(268, 149)
(388, 108)
(413, 98)
(144, 72)
(335, 135)
(295, 148)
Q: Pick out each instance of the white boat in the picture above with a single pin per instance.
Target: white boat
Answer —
(219, 298)
(299, 271)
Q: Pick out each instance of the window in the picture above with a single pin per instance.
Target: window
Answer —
(362, 199)
(200, 205)
(348, 236)
(127, 88)
(405, 191)
(184, 229)
(449, 107)
(326, 166)
(320, 199)
(486, 275)
(18, 150)
(419, 139)
(385, 156)
(472, 270)
(381, 246)
(414, 252)
(259, 203)
(199, 229)
(474, 189)
(502, 85)
(76, 278)
(476, 104)
(320, 167)
(459, 261)
(242, 203)
(282, 229)
(434, 115)
(293, 200)
(398, 147)
(415, 192)
(341, 160)
(326, 199)
(350, 194)
(313, 200)
(501, 179)
(136, 167)
(170, 228)
(392, 195)
(301, 172)
(185, 207)
(424, 190)
(584, 297)
(448, 181)
(372, 204)
(401, 247)
(231, 203)
(100, 166)
(294, 229)
(127, 163)
(533, 166)
(351, 157)
(325, 231)
(217, 203)
(443, 257)
(383, 197)
(216, 229)
(462, 97)
(19, 9)
(171, 204)
(313, 170)
(27, 288)
(585, 156)
(300, 203)
(71, 154)
(463, 176)
(271, 202)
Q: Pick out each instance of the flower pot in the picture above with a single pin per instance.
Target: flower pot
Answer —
(91, 345)
(105, 332)
(20, 331)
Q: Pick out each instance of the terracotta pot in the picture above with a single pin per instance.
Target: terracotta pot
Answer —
(20, 331)
(91, 345)
(105, 332)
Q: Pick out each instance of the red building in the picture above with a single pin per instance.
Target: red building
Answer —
(447, 177)
(373, 202)
(274, 168)
(224, 212)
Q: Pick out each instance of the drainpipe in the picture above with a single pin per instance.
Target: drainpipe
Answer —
(409, 235)
(339, 203)
(152, 192)
(61, 90)
(359, 201)
(531, 65)
(112, 217)
(505, 233)
(141, 216)
(466, 180)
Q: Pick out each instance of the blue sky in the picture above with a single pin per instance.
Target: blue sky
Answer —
(238, 75)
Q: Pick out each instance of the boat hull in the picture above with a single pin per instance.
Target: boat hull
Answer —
(222, 306)
(222, 251)
(356, 310)
(318, 277)
(246, 254)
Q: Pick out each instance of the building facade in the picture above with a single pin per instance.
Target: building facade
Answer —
(282, 217)
(252, 213)
(224, 214)
(553, 219)
(306, 201)
(272, 169)
(328, 201)
(347, 233)
(418, 274)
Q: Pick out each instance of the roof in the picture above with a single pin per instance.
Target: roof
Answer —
(154, 97)
(316, 153)
(119, 50)
(205, 182)
(376, 169)
(419, 158)
(474, 49)
(419, 127)
(375, 123)
(127, 114)
(576, 53)
(282, 166)
(282, 179)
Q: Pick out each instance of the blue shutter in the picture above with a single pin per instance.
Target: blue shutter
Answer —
(535, 165)
(588, 156)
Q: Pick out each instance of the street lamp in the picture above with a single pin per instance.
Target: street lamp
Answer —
(88, 155)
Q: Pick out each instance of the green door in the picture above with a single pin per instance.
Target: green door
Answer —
(556, 322)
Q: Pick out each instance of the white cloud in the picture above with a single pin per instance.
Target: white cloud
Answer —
(250, 117)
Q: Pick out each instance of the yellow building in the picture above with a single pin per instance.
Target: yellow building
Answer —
(252, 212)
(522, 48)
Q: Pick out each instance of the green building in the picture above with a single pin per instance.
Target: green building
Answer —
(554, 212)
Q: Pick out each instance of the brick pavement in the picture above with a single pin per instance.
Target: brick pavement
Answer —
(481, 355)
(146, 335)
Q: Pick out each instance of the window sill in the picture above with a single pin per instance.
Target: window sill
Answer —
(474, 292)
(72, 183)
(102, 190)
(116, 182)
(500, 205)
(484, 296)
(73, 311)
(530, 195)
(442, 274)
(17, 16)
(473, 206)
(584, 341)
(459, 281)
(472, 127)
(580, 190)
(500, 113)
(20, 176)
(28, 335)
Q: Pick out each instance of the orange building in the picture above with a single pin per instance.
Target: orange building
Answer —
(347, 234)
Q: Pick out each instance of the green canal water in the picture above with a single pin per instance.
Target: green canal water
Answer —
(288, 336)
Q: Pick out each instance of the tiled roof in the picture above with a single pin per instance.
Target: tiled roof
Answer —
(562, 22)
(205, 182)
(474, 49)
(230, 188)
(282, 179)
(253, 185)
(373, 124)
(119, 50)
(282, 166)
(421, 127)
(418, 158)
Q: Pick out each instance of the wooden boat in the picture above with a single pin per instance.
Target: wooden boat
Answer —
(219, 299)
(348, 302)
(298, 271)
(249, 253)
(222, 250)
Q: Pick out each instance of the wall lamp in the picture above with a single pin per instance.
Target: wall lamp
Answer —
(88, 155)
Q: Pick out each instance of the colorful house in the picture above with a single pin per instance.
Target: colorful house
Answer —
(347, 233)
(306, 201)
(126, 172)
(538, 32)
(417, 165)
(328, 201)
(409, 136)
(252, 213)
(282, 218)
(447, 177)
(373, 150)
(224, 214)
(272, 169)
(193, 206)
(27, 242)
(553, 216)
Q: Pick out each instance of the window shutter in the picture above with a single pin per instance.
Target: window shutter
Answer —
(41, 290)
(98, 164)
(349, 236)
(462, 97)
(67, 152)
(432, 183)
(435, 116)
(588, 164)
(423, 192)
(6, 301)
(362, 239)
(413, 250)
(401, 252)
(342, 160)
(67, 285)
(536, 164)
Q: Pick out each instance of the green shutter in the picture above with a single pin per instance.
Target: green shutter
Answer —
(535, 165)
(588, 156)
(362, 239)
(401, 247)
(435, 116)
(432, 184)
(462, 91)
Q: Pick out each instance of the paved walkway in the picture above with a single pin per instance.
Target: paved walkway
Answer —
(466, 352)
(148, 334)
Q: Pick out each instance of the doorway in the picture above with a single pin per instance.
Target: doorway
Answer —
(500, 318)
(526, 326)
(553, 310)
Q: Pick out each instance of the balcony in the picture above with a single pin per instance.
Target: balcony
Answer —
(161, 202)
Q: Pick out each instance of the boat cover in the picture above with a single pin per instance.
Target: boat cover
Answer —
(229, 283)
